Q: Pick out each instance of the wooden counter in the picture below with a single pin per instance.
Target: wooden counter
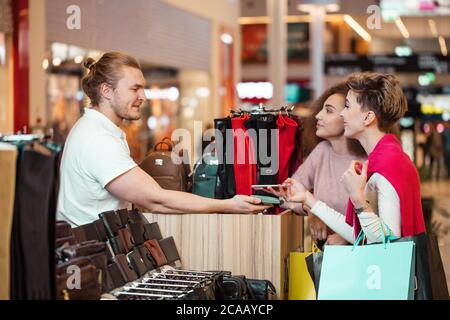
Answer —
(250, 245)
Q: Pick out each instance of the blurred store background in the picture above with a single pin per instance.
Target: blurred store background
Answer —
(202, 58)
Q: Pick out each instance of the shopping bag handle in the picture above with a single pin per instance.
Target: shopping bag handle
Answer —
(384, 237)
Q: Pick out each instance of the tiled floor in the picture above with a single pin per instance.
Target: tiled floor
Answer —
(440, 192)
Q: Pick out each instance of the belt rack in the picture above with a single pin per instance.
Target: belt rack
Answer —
(169, 285)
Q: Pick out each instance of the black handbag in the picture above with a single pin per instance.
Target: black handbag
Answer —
(235, 288)
(430, 274)
(260, 289)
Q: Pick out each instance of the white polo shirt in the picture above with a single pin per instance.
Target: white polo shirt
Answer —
(95, 153)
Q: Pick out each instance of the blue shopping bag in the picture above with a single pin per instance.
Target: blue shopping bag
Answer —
(371, 272)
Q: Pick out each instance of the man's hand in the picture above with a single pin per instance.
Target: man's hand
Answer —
(336, 240)
(317, 228)
(245, 204)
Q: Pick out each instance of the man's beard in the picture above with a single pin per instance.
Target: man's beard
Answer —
(123, 114)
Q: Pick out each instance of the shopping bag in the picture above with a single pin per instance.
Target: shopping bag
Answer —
(437, 272)
(370, 272)
(314, 265)
(301, 281)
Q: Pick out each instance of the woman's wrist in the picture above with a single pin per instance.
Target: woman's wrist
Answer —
(310, 201)
(359, 201)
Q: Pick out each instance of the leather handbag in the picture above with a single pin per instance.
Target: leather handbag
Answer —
(79, 234)
(137, 262)
(62, 229)
(156, 252)
(260, 289)
(112, 223)
(137, 231)
(152, 231)
(69, 240)
(86, 248)
(170, 249)
(205, 176)
(235, 288)
(127, 270)
(127, 239)
(167, 168)
(90, 283)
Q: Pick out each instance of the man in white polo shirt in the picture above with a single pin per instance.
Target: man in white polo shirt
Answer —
(97, 172)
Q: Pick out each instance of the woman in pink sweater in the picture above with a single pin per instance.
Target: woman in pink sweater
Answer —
(325, 165)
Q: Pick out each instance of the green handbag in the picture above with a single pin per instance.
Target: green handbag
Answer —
(205, 176)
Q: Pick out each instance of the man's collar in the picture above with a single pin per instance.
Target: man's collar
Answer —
(106, 122)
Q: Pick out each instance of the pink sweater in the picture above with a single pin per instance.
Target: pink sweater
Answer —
(321, 173)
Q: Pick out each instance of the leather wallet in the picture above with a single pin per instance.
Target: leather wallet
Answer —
(147, 257)
(170, 249)
(123, 216)
(90, 231)
(100, 261)
(79, 234)
(137, 263)
(70, 240)
(152, 231)
(136, 216)
(84, 249)
(62, 229)
(117, 245)
(101, 231)
(156, 252)
(111, 221)
(137, 232)
(117, 275)
(129, 273)
(127, 239)
(90, 288)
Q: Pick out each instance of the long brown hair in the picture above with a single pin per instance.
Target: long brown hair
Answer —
(311, 140)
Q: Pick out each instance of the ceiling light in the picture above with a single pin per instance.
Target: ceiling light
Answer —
(226, 38)
(78, 59)
(443, 46)
(305, 7)
(332, 7)
(433, 28)
(402, 28)
(57, 62)
(45, 64)
(357, 27)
